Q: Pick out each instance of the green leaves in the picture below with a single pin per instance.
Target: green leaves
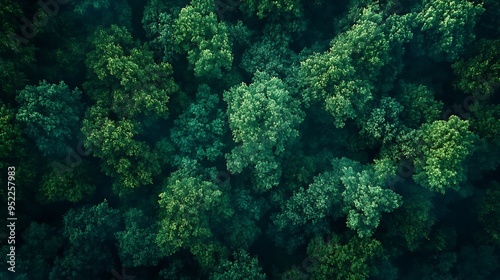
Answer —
(365, 200)
(137, 242)
(445, 147)
(198, 132)
(351, 259)
(206, 41)
(344, 78)
(125, 78)
(243, 267)
(263, 118)
(189, 205)
(447, 26)
(51, 114)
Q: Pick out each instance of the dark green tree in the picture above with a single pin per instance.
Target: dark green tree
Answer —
(51, 114)
(264, 119)
(446, 27)
(242, 267)
(89, 232)
(137, 242)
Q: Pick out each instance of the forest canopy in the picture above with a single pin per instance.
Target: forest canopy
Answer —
(250, 139)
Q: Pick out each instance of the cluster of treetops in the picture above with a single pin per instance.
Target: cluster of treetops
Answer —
(252, 139)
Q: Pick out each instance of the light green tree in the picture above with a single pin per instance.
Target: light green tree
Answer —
(189, 207)
(198, 33)
(445, 147)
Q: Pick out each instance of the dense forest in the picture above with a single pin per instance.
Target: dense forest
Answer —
(250, 139)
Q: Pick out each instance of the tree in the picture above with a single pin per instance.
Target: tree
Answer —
(199, 132)
(479, 74)
(383, 123)
(242, 267)
(445, 147)
(271, 54)
(40, 246)
(364, 200)
(69, 185)
(10, 135)
(16, 50)
(137, 242)
(189, 207)
(419, 104)
(349, 257)
(446, 27)
(105, 12)
(413, 221)
(489, 213)
(344, 79)
(272, 9)
(131, 162)
(51, 114)
(206, 41)
(263, 118)
(89, 231)
(125, 78)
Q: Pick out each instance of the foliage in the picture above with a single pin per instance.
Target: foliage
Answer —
(269, 8)
(446, 27)
(189, 206)
(69, 184)
(137, 242)
(263, 118)
(338, 259)
(344, 76)
(446, 144)
(51, 114)
(206, 42)
(130, 161)
(89, 231)
(198, 132)
(125, 78)
(479, 75)
(243, 267)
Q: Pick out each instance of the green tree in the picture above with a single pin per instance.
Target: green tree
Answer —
(39, 249)
(445, 147)
(199, 132)
(89, 232)
(479, 75)
(198, 33)
(446, 27)
(364, 199)
(263, 118)
(383, 123)
(419, 104)
(242, 267)
(131, 162)
(344, 257)
(51, 114)
(137, 242)
(10, 135)
(16, 50)
(125, 78)
(362, 60)
(66, 185)
(272, 9)
(489, 212)
(190, 206)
